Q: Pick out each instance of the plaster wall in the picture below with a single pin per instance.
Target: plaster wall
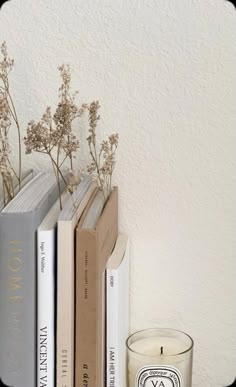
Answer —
(164, 73)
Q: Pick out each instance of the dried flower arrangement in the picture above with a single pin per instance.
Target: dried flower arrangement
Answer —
(53, 136)
(103, 160)
(8, 117)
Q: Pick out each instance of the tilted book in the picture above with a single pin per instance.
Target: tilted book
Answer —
(117, 313)
(95, 240)
(26, 177)
(19, 221)
(67, 222)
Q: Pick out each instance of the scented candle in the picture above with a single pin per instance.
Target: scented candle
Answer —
(159, 358)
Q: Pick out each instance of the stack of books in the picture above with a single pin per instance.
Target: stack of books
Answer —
(64, 288)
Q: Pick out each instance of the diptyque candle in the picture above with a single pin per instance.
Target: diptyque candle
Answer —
(159, 357)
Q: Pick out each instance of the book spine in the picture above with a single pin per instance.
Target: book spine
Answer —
(65, 305)
(123, 311)
(66, 295)
(112, 316)
(93, 248)
(46, 308)
(17, 300)
(117, 286)
(86, 309)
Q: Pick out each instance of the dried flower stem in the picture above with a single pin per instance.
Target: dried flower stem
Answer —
(57, 179)
(53, 134)
(58, 175)
(96, 161)
(102, 165)
(7, 115)
(8, 187)
(15, 118)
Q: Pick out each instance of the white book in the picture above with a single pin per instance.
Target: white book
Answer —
(117, 313)
(46, 308)
(46, 284)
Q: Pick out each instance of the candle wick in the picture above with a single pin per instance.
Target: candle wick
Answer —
(161, 350)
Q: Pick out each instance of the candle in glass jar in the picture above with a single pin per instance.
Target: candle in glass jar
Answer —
(159, 358)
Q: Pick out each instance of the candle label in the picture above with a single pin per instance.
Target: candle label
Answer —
(159, 376)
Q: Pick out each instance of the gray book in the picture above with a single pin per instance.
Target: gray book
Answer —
(26, 177)
(19, 221)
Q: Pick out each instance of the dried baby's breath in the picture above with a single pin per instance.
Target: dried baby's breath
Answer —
(8, 117)
(103, 159)
(53, 134)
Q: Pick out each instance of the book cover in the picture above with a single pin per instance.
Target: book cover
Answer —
(46, 256)
(18, 282)
(93, 248)
(117, 313)
(67, 222)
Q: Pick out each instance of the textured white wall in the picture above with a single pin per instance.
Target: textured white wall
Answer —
(164, 72)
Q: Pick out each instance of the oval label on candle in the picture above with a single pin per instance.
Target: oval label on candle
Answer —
(159, 376)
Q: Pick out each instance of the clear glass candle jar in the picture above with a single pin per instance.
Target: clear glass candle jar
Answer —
(159, 357)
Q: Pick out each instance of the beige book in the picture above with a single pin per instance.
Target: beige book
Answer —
(93, 248)
(67, 222)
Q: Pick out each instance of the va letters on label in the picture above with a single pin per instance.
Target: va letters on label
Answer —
(158, 377)
(160, 382)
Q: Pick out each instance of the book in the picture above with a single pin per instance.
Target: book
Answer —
(96, 235)
(46, 295)
(19, 221)
(26, 177)
(117, 313)
(67, 222)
